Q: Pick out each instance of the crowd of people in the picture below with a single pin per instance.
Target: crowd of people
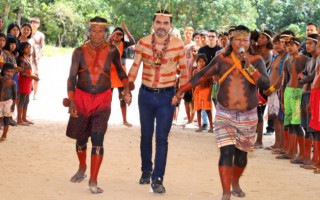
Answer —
(238, 72)
(292, 67)
(20, 51)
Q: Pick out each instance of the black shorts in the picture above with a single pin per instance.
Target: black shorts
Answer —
(188, 96)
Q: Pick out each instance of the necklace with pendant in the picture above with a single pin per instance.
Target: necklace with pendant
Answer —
(158, 56)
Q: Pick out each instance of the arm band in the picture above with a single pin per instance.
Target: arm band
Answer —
(271, 88)
(251, 69)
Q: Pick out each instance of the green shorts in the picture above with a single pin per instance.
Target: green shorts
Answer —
(292, 104)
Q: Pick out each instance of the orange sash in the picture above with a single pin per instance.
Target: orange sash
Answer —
(115, 81)
(237, 64)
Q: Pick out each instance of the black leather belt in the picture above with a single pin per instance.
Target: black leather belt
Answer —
(158, 90)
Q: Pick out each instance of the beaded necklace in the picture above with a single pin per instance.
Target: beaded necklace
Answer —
(28, 61)
(158, 56)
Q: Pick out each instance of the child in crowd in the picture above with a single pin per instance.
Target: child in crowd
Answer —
(2, 54)
(12, 53)
(188, 95)
(25, 83)
(202, 94)
(8, 96)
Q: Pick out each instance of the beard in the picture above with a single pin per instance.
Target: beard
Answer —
(161, 32)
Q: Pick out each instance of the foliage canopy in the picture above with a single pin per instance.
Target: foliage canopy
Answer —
(60, 19)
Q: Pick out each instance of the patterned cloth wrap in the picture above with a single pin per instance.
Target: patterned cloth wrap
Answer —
(273, 105)
(93, 114)
(234, 127)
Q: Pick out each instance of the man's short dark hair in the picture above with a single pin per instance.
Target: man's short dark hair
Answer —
(213, 31)
(5, 67)
(312, 24)
(254, 35)
(195, 34)
(164, 12)
(203, 56)
(314, 36)
(225, 33)
(3, 35)
(287, 32)
(295, 40)
(276, 39)
(269, 35)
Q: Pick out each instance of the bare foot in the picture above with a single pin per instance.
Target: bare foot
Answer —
(226, 197)
(199, 130)
(93, 187)
(237, 191)
(317, 165)
(2, 139)
(127, 124)
(22, 123)
(27, 121)
(258, 146)
(80, 175)
(210, 130)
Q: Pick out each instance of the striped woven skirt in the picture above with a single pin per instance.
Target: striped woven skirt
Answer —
(234, 127)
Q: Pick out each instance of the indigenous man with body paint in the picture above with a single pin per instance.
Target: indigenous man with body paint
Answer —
(291, 96)
(162, 56)
(90, 97)
(284, 137)
(264, 49)
(314, 109)
(306, 78)
(236, 116)
(274, 109)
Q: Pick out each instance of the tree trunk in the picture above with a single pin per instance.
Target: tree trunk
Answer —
(6, 9)
(19, 13)
(64, 32)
